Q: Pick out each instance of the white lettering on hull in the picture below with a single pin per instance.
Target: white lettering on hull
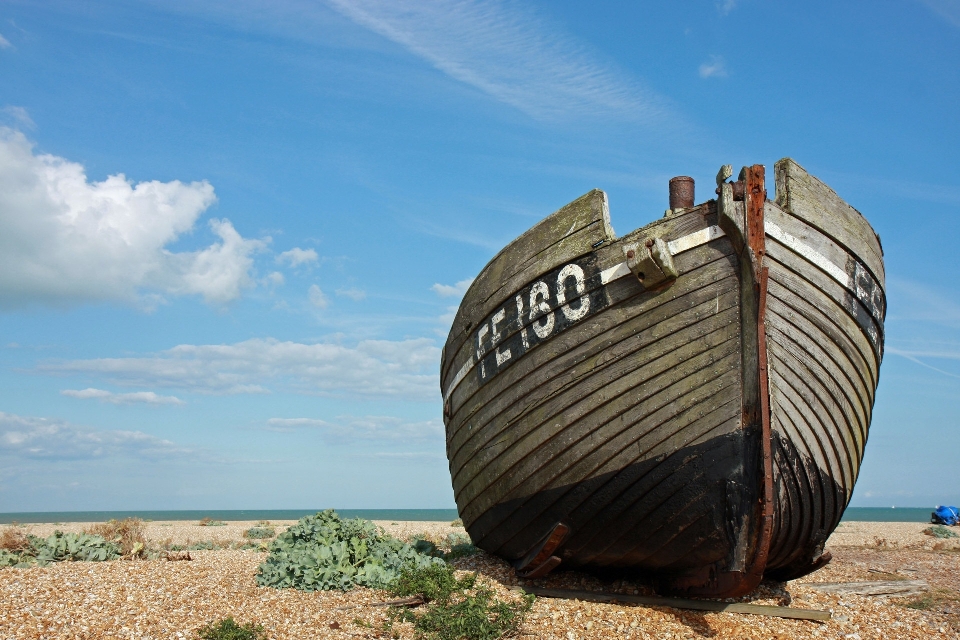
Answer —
(535, 306)
(540, 310)
(575, 272)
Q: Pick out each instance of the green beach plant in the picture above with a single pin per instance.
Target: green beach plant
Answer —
(453, 539)
(60, 547)
(323, 552)
(940, 531)
(460, 546)
(259, 533)
(457, 608)
(228, 629)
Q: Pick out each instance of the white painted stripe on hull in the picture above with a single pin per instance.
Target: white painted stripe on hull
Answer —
(695, 239)
(685, 243)
(457, 379)
(798, 246)
(614, 273)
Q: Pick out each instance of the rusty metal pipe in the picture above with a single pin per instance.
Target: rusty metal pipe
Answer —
(681, 192)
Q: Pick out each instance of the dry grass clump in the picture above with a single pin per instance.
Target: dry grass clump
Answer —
(207, 521)
(128, 533)
(13, 540)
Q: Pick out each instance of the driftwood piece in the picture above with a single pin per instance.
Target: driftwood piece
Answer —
(412, 601)
(885, 588)
(683, 603)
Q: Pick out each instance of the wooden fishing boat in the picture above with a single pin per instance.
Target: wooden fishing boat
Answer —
(689, 402)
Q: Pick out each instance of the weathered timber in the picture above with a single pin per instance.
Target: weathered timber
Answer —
(885, 588)
(794, 613)
(615, 334)
(690, 402)
(571, 231)
(811, 200)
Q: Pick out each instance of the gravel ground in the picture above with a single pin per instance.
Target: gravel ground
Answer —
(904, 535)
(161, 599)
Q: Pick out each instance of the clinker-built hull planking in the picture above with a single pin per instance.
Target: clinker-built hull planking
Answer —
(683, 402)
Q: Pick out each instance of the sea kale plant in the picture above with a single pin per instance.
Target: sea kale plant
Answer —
(323, 552)
(259, 533)
(59, 546)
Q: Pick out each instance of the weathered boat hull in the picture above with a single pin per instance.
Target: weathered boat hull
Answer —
(826, 307)
(608, 422)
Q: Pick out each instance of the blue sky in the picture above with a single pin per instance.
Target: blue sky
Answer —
(233, 234)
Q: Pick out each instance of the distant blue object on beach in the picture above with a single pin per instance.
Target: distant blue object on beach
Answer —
(945, 515)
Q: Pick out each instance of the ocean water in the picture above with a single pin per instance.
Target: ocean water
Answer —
(437, 515)
(852, 514)
(887, 514)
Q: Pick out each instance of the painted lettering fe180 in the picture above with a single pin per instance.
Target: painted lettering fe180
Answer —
(534, 306)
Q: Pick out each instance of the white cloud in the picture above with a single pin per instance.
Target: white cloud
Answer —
(19, 115)
(405, 369)
(4, 43)
(296, 257)
(136, 397)
(714, 68)
(508, 53)
(446, 319)
(726, 6)
(66, 240)
(447, 290)
(949, 10)
(354, 294)
(349, 428)
(274, 279)
(47, 438)
(317, 297)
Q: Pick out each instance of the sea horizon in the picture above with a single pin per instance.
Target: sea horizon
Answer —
(227, 515)
(852, 514)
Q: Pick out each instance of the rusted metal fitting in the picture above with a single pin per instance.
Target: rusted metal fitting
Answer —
(681, 192)
(738, 187)
(739, 190)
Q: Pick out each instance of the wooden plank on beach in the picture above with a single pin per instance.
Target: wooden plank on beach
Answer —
(887, 588)
(683, 603)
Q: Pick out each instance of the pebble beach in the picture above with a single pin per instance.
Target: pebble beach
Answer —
(155, 599)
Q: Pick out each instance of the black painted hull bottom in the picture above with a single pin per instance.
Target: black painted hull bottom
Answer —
(665, 519)
(662, 517)
(801, 525)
